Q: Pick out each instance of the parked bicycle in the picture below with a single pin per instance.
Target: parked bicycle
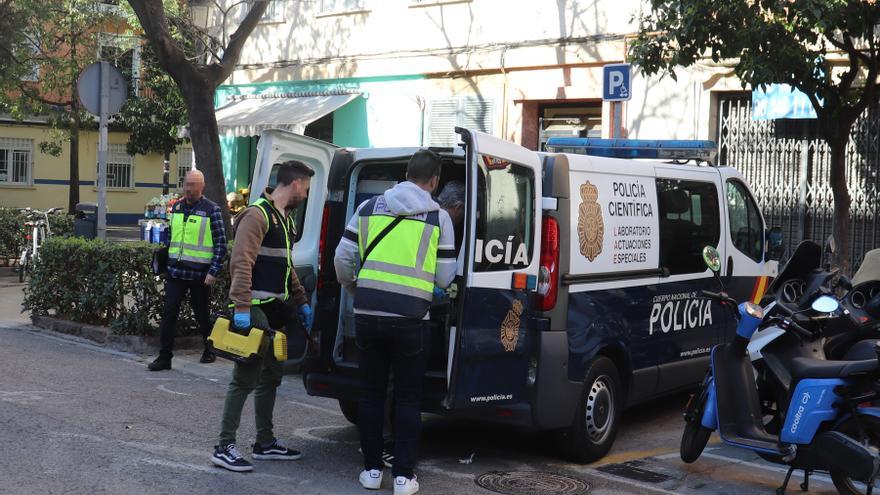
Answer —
(37, 230)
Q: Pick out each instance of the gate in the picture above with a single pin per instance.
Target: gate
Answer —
(787, 167)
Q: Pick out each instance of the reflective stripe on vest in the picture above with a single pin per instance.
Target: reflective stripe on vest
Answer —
(274, 262)
(398, 277)
(191, 238)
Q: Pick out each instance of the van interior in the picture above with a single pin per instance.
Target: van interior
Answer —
(370, 178)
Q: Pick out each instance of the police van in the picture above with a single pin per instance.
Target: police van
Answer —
(579, 273)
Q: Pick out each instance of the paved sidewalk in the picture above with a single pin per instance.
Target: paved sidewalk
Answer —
(11, 295)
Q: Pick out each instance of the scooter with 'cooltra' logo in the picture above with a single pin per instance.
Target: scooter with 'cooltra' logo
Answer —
(829, 422)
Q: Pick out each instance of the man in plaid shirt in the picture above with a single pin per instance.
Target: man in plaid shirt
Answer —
(194, 262)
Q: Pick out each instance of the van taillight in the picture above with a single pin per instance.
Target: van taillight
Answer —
(548, 279)
(321, 243)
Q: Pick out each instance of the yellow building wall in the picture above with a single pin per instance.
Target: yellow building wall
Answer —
(50, 176)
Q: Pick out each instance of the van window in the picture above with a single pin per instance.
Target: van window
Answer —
(505, 216)
(746, 228)
(298, 213)
(689, 221)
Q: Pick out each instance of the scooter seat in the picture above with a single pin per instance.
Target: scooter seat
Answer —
(802, 367)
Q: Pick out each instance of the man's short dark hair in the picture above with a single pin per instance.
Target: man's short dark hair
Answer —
(423, 166)
(292, 170)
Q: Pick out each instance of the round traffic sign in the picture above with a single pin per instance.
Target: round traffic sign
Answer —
(89, 88)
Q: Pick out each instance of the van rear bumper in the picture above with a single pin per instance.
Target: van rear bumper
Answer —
(347, 387)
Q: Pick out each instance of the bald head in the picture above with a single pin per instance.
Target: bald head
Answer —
(193, 186)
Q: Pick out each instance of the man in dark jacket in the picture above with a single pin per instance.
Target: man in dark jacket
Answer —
(196, 251)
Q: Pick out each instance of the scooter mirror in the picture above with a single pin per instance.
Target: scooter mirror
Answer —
(825, 304)
(712, 259)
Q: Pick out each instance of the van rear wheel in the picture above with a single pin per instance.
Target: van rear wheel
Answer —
(597, 418)
(349, 409)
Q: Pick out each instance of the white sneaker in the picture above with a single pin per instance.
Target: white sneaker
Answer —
(405, 486)
(371, 479)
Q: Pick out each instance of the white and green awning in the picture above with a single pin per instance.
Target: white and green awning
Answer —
(249, 115)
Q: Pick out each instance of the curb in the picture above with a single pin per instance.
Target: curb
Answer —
(104, 336)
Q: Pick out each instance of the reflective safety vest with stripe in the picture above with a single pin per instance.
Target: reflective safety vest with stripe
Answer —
(271, 272)
(192, 244)
(398, 277)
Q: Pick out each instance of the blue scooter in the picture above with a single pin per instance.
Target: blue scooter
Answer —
(829, 423)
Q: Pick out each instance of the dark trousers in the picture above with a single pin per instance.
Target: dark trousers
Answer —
(175, 291)
(399, 345)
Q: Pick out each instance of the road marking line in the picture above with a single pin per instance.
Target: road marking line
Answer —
(162, 388)
(305, 433)
(766, 467)
(632, 456)
(317, 408)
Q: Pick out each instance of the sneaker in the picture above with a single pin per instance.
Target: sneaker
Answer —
(275, 452)
(208, 356)
(388, 454)
(405, 486)
(371, 479)
(228, 457)
(160, 363)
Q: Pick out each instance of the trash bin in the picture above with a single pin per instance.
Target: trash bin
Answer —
(85, 223)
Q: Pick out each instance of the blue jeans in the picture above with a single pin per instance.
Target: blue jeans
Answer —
(399, 345)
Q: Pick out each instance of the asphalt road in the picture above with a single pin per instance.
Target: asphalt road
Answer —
(77, 418)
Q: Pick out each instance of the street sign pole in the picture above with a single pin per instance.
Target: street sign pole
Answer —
(617, 120)
(102, 150)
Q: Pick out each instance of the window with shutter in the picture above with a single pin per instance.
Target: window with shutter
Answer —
(472, 112)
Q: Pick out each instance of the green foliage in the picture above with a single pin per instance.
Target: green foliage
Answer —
(155, 117)
(767, 42)
(107, 283)
(12, 231)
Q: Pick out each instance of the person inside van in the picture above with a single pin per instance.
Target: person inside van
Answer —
(451, 199)
(394, 277)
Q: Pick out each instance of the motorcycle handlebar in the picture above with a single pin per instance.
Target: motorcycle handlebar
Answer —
(803, 332)
(719, 296)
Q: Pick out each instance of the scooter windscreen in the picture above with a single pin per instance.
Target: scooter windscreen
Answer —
(869, 269)
(806, 258)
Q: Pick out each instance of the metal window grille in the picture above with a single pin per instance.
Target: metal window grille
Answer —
(184, 164)
(119, 168)
(274, 13)
(787, 167)
(444, 115)
(16, 160)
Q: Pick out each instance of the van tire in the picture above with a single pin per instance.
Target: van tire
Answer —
(349, 409)
(590, 436)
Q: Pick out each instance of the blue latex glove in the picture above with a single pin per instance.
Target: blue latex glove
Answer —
(307, 315)
(242, 320)
(440, 294)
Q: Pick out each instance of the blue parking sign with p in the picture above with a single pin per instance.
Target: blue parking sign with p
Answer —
(616, 79)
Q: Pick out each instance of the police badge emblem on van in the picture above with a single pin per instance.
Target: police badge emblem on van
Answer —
(591, 228)
(510, 327)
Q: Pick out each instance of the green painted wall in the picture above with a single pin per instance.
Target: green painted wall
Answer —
(350, 128)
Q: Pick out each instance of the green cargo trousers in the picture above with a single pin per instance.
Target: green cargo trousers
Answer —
(263, 378)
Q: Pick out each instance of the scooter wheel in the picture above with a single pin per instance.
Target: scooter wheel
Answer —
(694, 440)
(865, 429)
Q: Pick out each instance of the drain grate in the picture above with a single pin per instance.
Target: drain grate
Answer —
(531, 483)
(634, 470)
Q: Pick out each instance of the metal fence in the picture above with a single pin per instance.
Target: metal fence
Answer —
(787, 166)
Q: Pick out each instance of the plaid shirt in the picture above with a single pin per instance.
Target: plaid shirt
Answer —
(218, 234)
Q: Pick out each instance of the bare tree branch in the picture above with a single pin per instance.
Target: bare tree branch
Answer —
(218, 72)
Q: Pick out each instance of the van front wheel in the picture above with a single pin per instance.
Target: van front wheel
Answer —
(597, 418)
(349, 409)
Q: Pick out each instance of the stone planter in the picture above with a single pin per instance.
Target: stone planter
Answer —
(104, 336)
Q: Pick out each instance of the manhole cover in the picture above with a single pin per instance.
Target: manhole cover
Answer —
(531, 483)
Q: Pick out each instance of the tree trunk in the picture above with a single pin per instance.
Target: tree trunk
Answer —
(205, 138)
(840, 225)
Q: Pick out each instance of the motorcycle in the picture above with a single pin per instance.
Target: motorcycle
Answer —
(827, 426)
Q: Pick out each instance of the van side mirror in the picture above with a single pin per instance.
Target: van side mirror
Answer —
(774, 244)
(712, 258)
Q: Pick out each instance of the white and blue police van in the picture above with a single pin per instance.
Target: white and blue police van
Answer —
(580, 268)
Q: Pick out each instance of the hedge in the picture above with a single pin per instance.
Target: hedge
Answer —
(12, 231)
(99, 282)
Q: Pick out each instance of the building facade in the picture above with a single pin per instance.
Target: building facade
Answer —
(412, 70)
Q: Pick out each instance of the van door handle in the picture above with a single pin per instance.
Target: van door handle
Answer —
(729, 268)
